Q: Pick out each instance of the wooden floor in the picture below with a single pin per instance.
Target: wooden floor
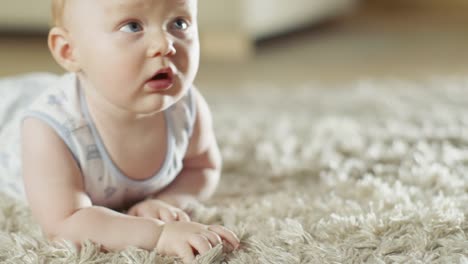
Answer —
(369, 44)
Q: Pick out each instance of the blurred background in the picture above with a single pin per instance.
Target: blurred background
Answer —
(287, 43)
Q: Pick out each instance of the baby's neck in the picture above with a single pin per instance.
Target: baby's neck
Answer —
(109, 118)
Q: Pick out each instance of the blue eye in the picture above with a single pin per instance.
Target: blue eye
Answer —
(131, 27)
(180, 24)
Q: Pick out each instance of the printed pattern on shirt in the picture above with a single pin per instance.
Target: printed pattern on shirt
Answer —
(92, 152)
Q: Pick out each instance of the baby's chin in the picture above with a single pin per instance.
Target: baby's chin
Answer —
(154, 104)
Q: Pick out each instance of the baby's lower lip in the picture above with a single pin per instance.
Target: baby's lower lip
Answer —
(160, 85)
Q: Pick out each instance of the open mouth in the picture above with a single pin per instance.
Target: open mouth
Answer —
(161, 76)
(161, 80)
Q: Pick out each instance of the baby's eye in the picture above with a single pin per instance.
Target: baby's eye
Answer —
(131, 27)
(180, 24)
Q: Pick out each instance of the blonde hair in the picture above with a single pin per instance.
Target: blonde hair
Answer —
(58, 7)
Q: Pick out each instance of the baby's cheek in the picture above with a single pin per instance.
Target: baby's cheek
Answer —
(120, 72)
(188, 68)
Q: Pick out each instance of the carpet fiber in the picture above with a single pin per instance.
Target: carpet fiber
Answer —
(376, 172)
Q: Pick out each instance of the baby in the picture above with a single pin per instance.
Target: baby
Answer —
(125, 130)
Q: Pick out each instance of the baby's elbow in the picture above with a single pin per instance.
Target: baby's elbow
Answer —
(61, 237)
(50, 235)
(50, 229)
(55, 236)
(60, 230)
(53, 232)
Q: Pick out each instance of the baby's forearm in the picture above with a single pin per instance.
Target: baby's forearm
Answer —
(112, 230)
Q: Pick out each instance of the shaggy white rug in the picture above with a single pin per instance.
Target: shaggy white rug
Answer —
(375, 172)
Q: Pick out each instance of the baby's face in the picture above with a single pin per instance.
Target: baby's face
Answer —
(121, 45)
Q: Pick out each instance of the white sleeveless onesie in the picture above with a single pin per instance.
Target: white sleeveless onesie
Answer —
(63, 107)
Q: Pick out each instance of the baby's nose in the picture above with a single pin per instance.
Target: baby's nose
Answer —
(161, 45)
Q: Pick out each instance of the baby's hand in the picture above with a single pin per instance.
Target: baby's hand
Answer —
(160, 210)
(187, 239)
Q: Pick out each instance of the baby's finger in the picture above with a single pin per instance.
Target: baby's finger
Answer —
(225, 234)
(132, 211)
(182, 216)
(214, 238)
(167, 215)
(186, 253)
(200, 243)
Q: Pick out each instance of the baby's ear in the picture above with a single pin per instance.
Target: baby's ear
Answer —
(62, 49)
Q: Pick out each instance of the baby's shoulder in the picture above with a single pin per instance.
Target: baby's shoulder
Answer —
(59, 104)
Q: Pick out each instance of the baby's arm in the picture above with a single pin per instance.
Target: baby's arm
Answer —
(54, 186)
(202, 163)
